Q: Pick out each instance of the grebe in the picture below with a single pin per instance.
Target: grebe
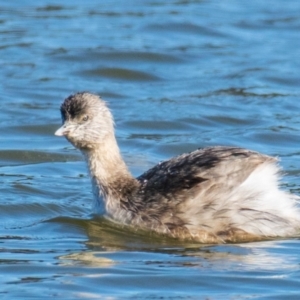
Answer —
(211, 195)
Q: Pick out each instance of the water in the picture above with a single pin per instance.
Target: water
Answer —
(177, 75)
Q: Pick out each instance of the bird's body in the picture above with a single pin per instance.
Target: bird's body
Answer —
(211, 195)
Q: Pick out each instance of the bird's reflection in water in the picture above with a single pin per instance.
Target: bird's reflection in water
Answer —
(109, 244)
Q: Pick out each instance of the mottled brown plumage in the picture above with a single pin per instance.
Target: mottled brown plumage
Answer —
(211, 195)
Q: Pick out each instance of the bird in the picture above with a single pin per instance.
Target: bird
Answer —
(213, 195)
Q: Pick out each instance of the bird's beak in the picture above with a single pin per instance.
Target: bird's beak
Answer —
(61, 131)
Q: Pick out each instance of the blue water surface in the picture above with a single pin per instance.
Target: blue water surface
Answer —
(178, 75)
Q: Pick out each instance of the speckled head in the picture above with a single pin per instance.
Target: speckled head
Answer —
(75, 105)
(86, 120)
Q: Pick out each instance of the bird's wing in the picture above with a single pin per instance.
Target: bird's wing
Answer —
(229, 165)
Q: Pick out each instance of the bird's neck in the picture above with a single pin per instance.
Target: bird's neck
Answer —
(111, 179)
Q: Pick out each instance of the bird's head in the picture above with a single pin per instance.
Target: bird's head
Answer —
(86, 120)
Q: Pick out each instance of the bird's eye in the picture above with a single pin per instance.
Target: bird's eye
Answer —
(85, 118)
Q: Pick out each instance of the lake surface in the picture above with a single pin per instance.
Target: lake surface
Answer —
(177, 75)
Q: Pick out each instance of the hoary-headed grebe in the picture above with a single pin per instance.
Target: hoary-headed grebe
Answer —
(211, 195)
